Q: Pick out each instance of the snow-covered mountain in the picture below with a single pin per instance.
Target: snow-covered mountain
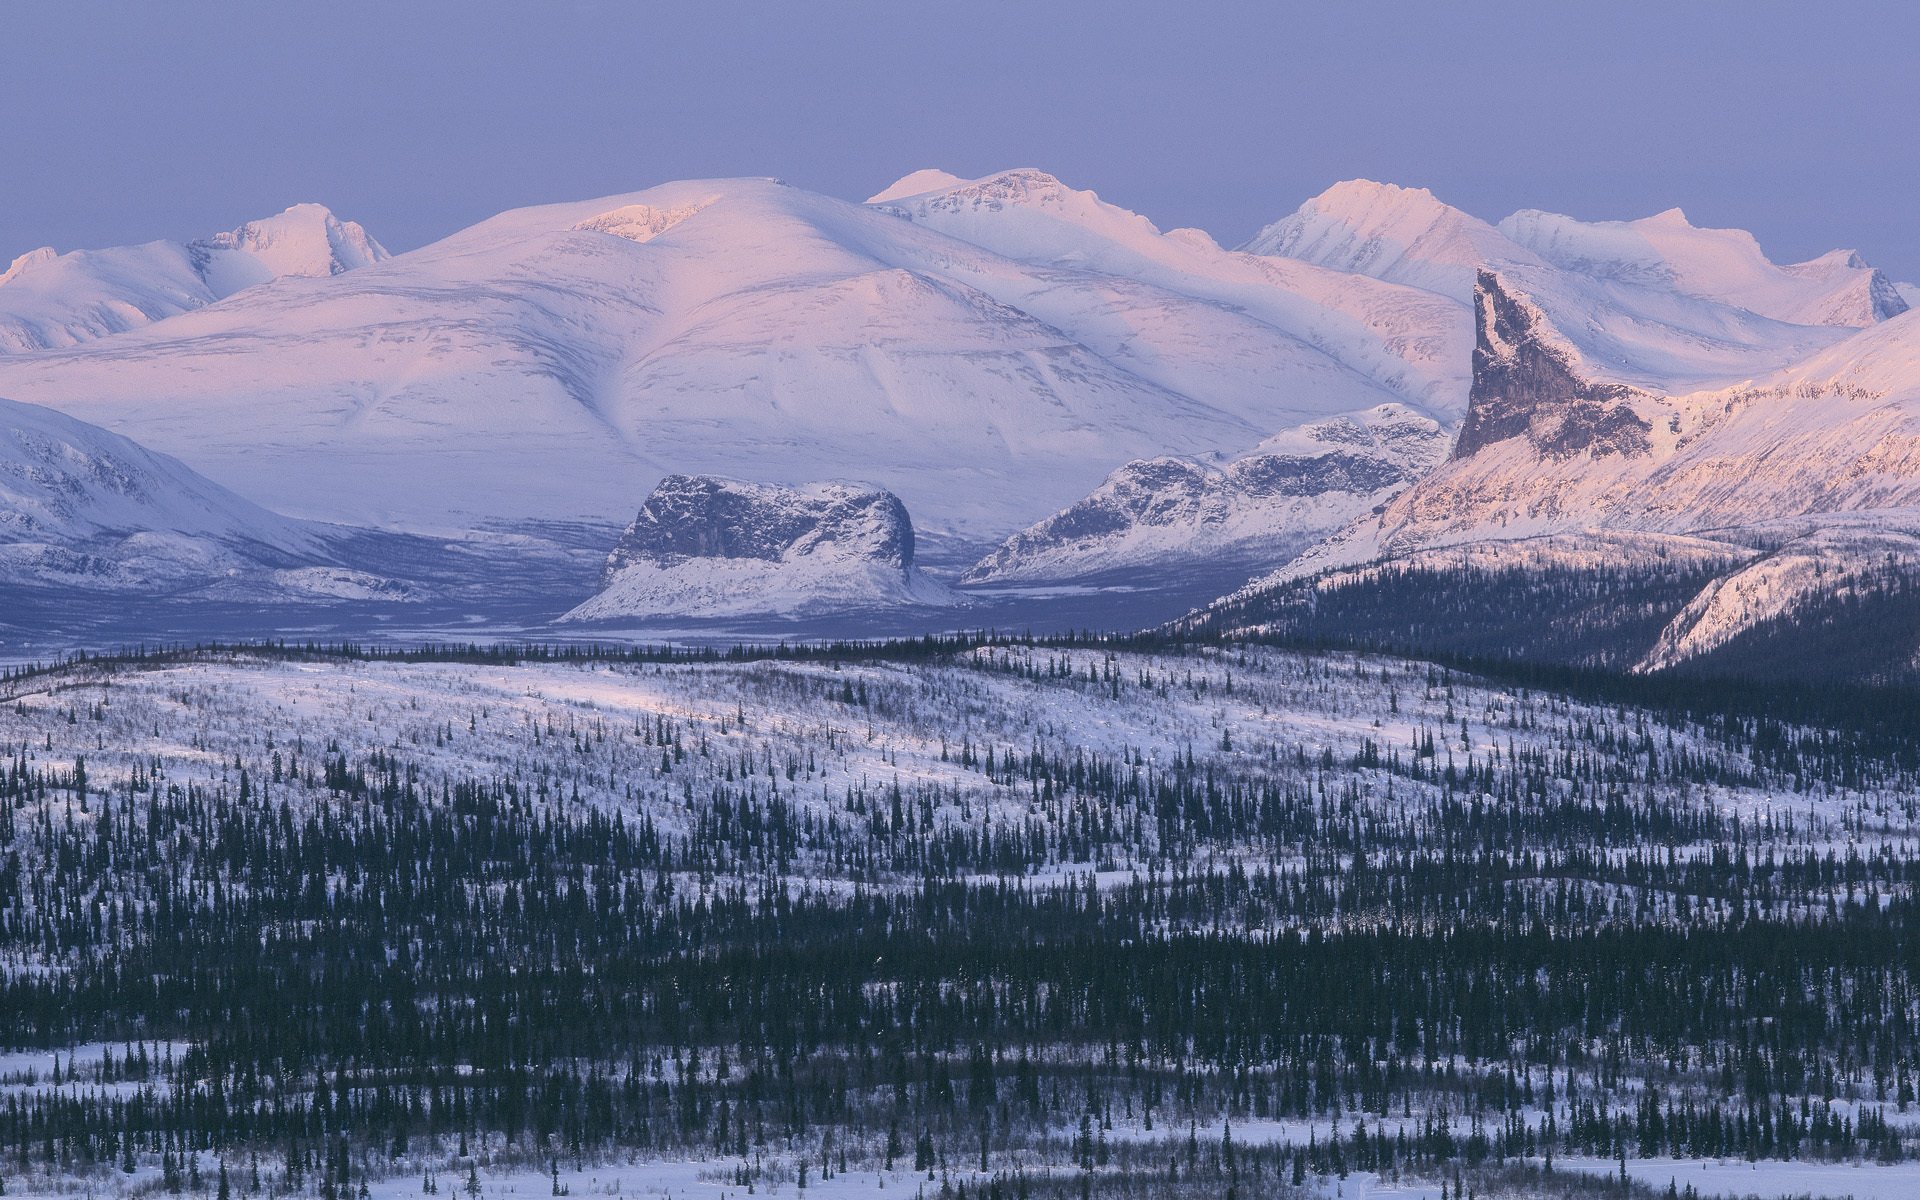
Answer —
(1652, 305)
(534, 366)
(1150, 297)
(1403, 235)
(88, 510)
(1409, 236)
(1656, 303)
(1259, 509)
(1019, 362)
(1545, 448)
(50, 300)
(705, 548)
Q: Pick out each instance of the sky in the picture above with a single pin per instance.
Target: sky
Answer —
(126, 121)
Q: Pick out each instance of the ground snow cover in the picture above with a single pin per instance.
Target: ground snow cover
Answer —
(1861, 1181)
(641, 1179)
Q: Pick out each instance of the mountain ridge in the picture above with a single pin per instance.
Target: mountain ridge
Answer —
(50, 300)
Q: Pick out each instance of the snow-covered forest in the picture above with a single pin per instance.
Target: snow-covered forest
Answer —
(994, 916)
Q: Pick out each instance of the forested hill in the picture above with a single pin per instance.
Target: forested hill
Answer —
(996, 915)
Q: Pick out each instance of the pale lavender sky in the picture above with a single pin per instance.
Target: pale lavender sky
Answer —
(121, 122)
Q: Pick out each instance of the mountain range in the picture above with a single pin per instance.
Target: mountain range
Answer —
(1069, 401)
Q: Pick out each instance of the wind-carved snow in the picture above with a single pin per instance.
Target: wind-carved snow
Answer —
(642, 222)
(50, 300)
(708, 548)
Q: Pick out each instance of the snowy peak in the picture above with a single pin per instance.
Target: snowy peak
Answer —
(52, 301)
(1025, 214)
(705, 547)
(1022, 185)
(305, 241)
(28, 261)
(1401, 235)
(1656, 303)
(917, 183)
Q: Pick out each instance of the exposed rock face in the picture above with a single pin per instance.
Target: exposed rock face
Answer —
(704, 546)
(1258, 509)
(1884, 297)
(701, 516)
(1526, 384)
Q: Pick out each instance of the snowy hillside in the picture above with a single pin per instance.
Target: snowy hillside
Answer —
(1256, 510)
(552, 920)
(84, 509)
(50, 300)
(704, 548)
(1840, 562)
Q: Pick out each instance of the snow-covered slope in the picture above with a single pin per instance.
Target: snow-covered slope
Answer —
(1724, 265)
(87, 509)
(50, 300)
(1256, 510)
(747, 328)
(1279, 328)
(1841, 561)
(706, 548)
(1544, 449)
